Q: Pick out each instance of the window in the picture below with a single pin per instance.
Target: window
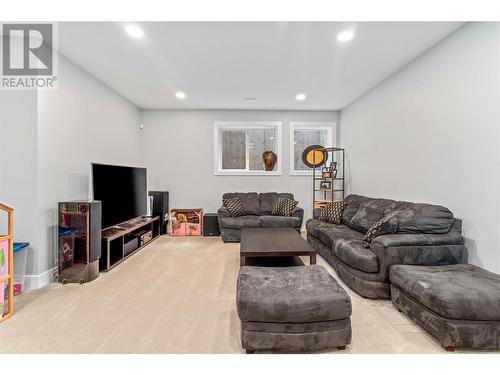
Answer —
(304, 134)
(238, 147)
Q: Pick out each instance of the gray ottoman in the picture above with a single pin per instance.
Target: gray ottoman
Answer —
(459, 305)
(292, 309)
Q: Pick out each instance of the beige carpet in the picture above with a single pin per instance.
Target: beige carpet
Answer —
(175, 296)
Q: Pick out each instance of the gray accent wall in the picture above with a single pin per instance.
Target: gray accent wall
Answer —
(178, 150)
(430, 133)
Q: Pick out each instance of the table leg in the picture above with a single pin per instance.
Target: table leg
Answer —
(313, 259)
(242, 260)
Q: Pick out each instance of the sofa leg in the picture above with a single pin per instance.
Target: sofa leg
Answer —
(341, 347)
(250, 351)
(449, 348)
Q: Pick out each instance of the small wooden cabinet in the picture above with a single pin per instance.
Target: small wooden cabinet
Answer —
(79, 241)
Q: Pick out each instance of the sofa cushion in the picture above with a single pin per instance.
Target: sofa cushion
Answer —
(267, 200)
(250, 201)
(369, 213)
(347, 244)
(270, 221)
(284, 207)
(332, 212)
(352, 203)
(314, 225)
(247, 221)
(459, 291)
(234, 207)
(330, 233)
(290, 295)
(423, 218)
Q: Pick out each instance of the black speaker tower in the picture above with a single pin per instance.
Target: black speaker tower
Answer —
(160, 208)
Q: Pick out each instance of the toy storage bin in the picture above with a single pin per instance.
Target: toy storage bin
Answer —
(193, 229)
(178, 229)
(20, 266)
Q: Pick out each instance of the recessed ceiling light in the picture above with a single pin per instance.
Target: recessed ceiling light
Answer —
(300, 97)
(134, 31)
(180, 95)
(345, 36)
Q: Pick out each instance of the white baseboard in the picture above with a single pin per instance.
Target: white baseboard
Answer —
(38, 281)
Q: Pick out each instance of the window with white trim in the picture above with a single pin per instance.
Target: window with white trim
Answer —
(238, 147)
(305, 134)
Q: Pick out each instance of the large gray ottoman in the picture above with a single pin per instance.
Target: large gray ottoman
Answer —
(459, 305)
(292, 309)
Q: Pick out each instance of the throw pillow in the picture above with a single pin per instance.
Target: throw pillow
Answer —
(234, 207)
(332, 212)
(284, 207)
(378, 228)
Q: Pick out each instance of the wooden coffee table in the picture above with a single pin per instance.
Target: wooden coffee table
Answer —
(273, 242)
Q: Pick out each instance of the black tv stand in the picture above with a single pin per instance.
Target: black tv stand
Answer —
(115, 238)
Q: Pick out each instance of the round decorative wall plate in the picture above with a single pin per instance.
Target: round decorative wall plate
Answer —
(314, 156)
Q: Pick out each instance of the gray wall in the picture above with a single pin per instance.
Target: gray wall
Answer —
(80, 122)
(178, 152)
(18, 164)
(430, 133)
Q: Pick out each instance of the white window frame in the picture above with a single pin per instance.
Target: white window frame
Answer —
(219, 126)
(331, 128)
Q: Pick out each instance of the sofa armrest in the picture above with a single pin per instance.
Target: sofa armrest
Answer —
(418, 249)
(223, 212)
(298, 212)
(419, 239)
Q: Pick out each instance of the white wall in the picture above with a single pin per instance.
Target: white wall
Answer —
(18, 164)
(80, 122)
(430, 133)
(178, 152)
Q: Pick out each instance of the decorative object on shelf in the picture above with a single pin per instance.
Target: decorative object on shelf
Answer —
(186, 222)
(269, 158)
(7, 264)
(325, 185)
(79, 242)
(326, 172)
(329, 181)
(314, 156)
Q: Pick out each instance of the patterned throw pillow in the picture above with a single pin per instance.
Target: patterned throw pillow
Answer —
(284, 207)
(234, 207)
(332, 212)
(376, 228)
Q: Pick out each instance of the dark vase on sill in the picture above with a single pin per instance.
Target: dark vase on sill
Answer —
(269, 159)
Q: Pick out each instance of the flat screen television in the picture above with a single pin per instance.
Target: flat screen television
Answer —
(122, 191)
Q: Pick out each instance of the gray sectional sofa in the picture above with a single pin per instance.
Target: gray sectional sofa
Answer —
(420, 234)
(258, 207)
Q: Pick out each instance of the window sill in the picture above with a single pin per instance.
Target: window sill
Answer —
(247, 173)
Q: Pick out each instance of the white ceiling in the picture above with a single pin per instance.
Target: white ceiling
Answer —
(218, 64)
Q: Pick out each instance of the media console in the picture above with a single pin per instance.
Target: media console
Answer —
(127, 238)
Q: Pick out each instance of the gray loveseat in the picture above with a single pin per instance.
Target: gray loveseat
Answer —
(258, 207)
(422, 234)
